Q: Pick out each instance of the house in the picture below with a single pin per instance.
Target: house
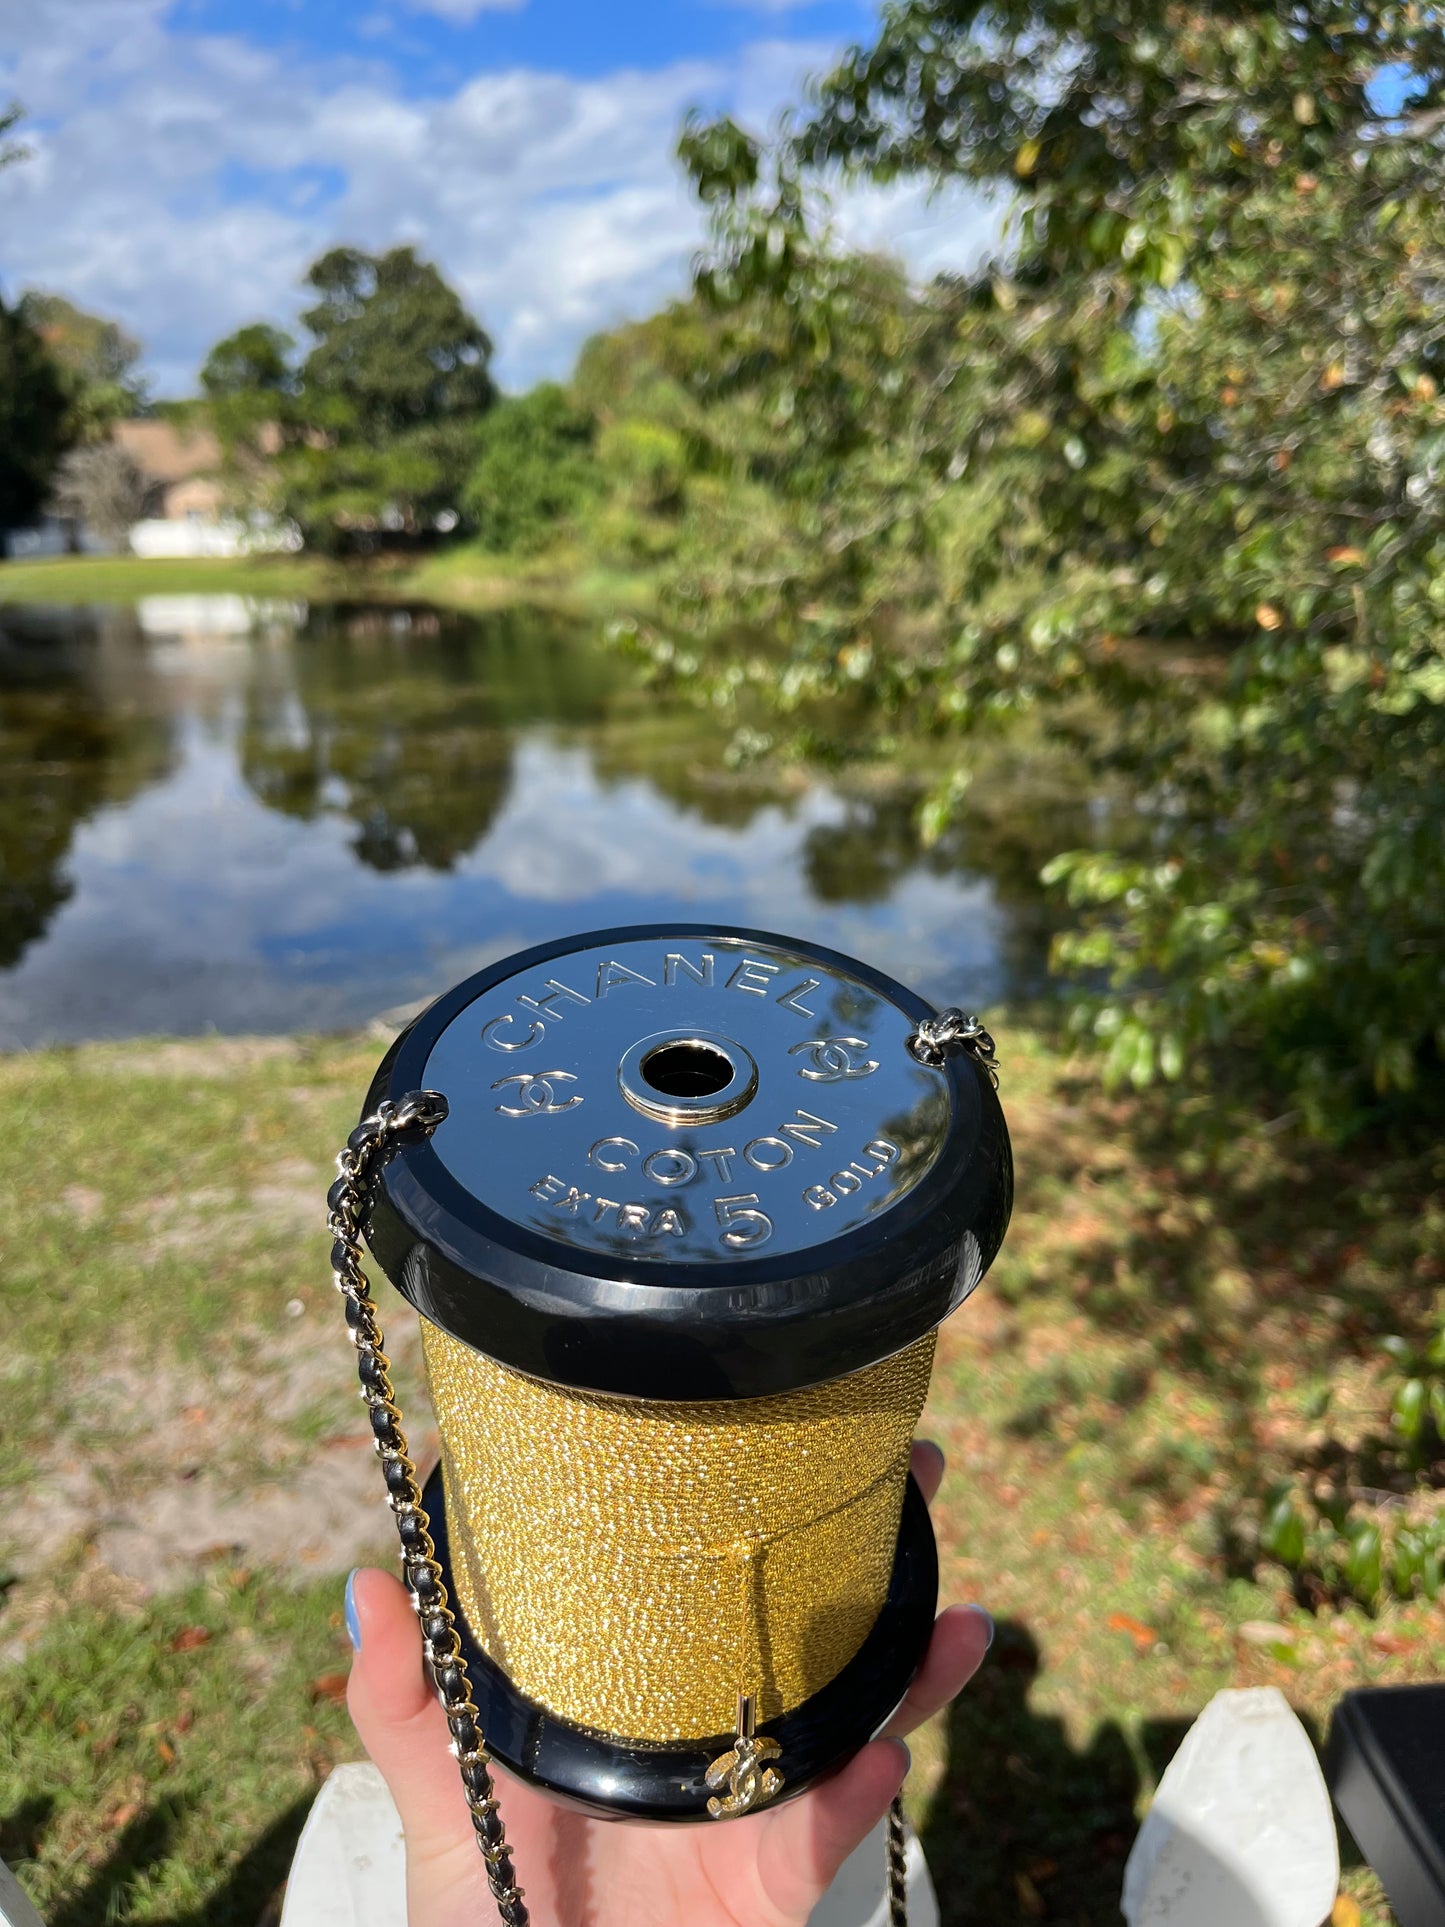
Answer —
(186, 507)
(183, 509)
(181, 464)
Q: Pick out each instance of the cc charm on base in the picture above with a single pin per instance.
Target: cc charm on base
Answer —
(749, 1783)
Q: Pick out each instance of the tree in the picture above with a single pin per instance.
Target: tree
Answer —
(376, 429)
(97, 360)
(33, 426)
(537, 471)
(1198, 392)
(100, 486)
(249, 382)
(389, 395)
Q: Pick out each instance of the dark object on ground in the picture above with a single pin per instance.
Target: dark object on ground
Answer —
(1386, 1770)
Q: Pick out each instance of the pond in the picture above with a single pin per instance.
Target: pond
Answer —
(224, 815)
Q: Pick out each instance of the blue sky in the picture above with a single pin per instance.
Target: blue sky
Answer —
(435, 43)
(192, 156)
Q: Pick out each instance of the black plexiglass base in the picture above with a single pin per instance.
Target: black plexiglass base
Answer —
(621, 1780)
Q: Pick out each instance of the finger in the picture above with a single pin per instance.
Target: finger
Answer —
(401, 1725)
(961, 1637)
(806, 1843)
(926, 1466)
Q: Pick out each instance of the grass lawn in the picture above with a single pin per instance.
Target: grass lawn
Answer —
(462, 577)
(190, 1480)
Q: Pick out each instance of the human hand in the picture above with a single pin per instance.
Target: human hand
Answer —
(769, 1870)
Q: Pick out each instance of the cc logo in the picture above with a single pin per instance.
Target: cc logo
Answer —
(833, 1059)
(536, 1095)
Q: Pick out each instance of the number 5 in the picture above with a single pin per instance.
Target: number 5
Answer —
(752, 1227)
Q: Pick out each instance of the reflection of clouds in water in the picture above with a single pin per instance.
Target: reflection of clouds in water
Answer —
(196, 907)
(563, 837)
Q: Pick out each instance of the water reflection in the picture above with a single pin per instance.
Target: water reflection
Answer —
(70, 743)
(241, 818)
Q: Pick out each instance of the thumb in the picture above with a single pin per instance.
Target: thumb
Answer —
(395, 1711)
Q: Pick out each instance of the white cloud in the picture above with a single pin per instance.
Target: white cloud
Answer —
(183, 182)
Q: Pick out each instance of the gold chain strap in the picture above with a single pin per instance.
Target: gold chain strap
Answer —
(348, 1202)
(936, 1038)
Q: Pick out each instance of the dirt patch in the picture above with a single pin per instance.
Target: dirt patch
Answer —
(210, 1058)
(331, 1517)
(266, 1462)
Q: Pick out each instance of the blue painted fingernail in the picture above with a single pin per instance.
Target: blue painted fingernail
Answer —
(353, 1624)
(987, 1617)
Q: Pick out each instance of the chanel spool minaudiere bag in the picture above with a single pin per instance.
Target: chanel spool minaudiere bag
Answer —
(681, 1209)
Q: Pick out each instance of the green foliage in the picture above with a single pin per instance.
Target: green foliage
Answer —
(376, 429)
(97, 363)
(1131, 138)
(1000, 477)
(1418, 1416)
(1364, 1554)
(537, 472)
(1195, 399)
(249, 385)
(1331, 1532)
(34, 407)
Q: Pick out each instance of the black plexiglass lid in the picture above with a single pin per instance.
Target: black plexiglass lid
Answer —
(688, 1161)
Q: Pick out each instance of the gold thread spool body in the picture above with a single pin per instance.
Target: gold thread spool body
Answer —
(633, 1565)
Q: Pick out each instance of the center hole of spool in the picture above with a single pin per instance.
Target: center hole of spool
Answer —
(687, 1069)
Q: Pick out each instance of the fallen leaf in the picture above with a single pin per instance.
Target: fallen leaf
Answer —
(1042, 1869)
(1143, 1636)
(329, 1686)
(1345, 554)
(122, 1815)
(1345, 1912)
(185, 1720)
(1391, 1643)
(166, 1751)
(189, 1637)
(1030, 1899)
(1268, 617)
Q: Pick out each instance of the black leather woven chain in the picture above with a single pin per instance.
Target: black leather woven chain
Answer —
(897, 1867)
(936, 1038)
(348, 1202)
